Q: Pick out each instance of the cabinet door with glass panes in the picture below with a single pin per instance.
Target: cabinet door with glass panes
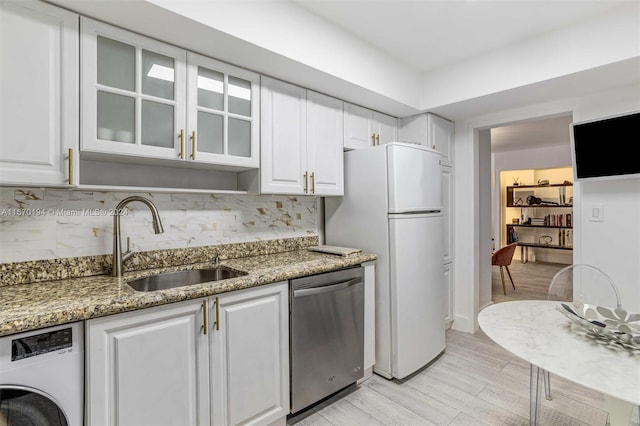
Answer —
(222, 114)
(133, 93)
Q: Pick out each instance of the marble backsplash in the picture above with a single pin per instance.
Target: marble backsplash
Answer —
(59, 223)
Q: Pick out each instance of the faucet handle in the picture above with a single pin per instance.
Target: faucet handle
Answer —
(216, 260)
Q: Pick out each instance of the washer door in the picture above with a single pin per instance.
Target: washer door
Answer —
(21, 406)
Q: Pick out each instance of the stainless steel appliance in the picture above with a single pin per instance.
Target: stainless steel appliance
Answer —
(327, 334)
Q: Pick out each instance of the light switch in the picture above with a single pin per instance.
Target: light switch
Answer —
(597, 213)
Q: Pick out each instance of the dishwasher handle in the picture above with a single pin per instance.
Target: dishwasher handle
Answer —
(327, 288)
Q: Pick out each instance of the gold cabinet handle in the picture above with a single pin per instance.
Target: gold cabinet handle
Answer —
(313, 182)
(181, 155)
(373, 139)
(217, 303)
(70, 166)
(204, 316)
(306, 182)
(378, 139)
(193, 145)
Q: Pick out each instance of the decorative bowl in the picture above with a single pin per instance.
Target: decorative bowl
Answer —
(614, 325)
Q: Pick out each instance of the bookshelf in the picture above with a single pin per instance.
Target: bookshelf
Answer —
(546, 217)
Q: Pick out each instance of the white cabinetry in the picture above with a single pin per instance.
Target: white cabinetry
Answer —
(369, 318)
(448, 294)
(223, 113)
(38, 94)
(147, 99)
(250, 356)
(325, 123)
(364, 127)
(176, 365)
(148, 367)
(301, 141)
(447, 212)
(431, 130)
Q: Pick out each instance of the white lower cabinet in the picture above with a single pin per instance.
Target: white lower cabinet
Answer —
(250, 356)
(183, 364)
(448, 294)
(148, 367)
(369, 318)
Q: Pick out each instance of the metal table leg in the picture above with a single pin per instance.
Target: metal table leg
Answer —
(535, 377)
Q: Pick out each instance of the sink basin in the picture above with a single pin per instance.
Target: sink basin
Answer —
(183, 278)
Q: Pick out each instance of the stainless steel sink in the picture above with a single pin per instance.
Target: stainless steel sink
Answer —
(183, 278)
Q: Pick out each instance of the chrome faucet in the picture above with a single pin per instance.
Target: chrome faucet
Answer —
(118, 256)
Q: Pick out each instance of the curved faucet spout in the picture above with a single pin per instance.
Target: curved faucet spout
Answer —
(118, 256)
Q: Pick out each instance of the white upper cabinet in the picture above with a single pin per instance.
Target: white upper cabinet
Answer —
(364, 127)
(325, 158)
(145, 98)
(358, 127)
(301, 141)
(39, 104)
(223, 113)
(133, 93)
(430, 130)
(283, 138)
(385, 127)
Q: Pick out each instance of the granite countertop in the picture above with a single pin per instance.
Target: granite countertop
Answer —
(31, 306)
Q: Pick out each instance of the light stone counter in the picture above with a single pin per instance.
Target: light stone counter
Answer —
(36, 305)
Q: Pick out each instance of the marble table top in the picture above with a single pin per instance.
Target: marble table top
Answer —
(534, 331)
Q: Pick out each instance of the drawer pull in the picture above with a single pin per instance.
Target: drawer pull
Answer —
(217, 302)
(204, 316)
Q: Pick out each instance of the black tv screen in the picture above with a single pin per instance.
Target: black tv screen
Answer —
(606, 148)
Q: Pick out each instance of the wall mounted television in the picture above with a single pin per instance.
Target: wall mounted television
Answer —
(605, 148)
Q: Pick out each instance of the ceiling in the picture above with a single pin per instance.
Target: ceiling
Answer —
(538, 133)
(429, 34)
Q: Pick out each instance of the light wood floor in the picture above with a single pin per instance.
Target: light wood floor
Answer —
(474, 382)
(531, 279)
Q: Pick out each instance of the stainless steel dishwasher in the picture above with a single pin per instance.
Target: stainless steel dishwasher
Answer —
(327, 334)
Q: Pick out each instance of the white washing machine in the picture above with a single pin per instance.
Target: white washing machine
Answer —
(41, 377)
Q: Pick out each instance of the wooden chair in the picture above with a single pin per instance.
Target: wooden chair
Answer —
(503, 257)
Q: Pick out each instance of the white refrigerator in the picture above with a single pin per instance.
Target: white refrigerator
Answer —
(392, 207)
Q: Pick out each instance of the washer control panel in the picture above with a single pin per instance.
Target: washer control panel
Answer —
(38, 344)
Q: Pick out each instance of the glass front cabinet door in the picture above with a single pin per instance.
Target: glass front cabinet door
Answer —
(145, 98)
(223, 111)
(133, 93)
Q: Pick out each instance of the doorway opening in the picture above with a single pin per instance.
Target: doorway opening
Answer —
(532, 199)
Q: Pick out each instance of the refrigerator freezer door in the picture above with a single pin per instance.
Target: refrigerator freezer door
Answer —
(417, 291)
(414, 178)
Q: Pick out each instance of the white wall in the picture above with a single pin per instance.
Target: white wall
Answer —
(291, 31)
(621, 200)
(57, 223)
(613, 37)
(484, 222)
(534, 158)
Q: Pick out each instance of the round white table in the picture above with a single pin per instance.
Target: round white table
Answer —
(534, 331)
